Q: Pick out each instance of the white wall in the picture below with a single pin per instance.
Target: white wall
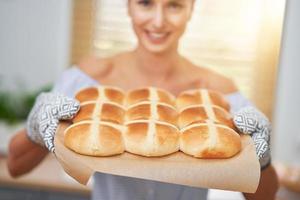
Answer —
(287, 109)
(34, 41)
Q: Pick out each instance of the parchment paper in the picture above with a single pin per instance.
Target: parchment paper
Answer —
(239, 173)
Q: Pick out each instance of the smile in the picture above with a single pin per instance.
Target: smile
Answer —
(157, 37)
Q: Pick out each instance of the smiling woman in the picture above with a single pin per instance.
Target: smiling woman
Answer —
(154, 60)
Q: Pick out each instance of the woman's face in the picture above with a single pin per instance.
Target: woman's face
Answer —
(159, 24)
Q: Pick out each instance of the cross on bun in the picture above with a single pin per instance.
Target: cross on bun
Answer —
(95, 138)
(201, 113)
(209, 140)
(152, 110)
(151, 138)
(101, 93)
(100, 111)
(151, 122)
(149, 94)
(201, 96)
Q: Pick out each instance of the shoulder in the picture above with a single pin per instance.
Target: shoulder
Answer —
(220, 82)
(216, 81)
(95, 66)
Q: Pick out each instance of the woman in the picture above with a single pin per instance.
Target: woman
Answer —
(158, 25)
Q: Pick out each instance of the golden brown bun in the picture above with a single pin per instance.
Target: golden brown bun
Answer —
(101, 93)
(100, 111)
(201, 96)
(208, 140)
(151, 138)
(202, 113)
(94, 138)
(152, 110)
(149, 94)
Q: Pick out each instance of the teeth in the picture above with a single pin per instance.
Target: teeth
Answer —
(158, 35)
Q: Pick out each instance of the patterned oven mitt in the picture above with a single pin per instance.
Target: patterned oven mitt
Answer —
(44, 117)
(251, 121)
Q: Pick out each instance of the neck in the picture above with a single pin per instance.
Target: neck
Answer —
(157, 67)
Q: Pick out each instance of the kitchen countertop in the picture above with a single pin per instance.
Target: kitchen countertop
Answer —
(48, 175)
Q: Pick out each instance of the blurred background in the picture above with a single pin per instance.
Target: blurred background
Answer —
(254, 42)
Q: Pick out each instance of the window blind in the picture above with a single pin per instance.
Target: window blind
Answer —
(82, 29)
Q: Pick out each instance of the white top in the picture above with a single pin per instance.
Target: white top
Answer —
(112, 187)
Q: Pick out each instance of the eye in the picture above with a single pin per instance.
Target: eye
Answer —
(175, 5)
(145, 3)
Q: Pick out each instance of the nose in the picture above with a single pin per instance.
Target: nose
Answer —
(159, 17)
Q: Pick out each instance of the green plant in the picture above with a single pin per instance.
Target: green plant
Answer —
(15, 106)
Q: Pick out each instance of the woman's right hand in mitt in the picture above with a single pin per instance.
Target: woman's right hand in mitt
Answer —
(43, 119)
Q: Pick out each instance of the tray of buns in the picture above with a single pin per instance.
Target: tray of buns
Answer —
(150, 134)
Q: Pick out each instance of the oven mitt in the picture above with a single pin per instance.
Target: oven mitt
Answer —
(44, 117)
(249, 120)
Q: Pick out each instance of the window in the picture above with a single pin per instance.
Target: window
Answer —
(82, 28)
